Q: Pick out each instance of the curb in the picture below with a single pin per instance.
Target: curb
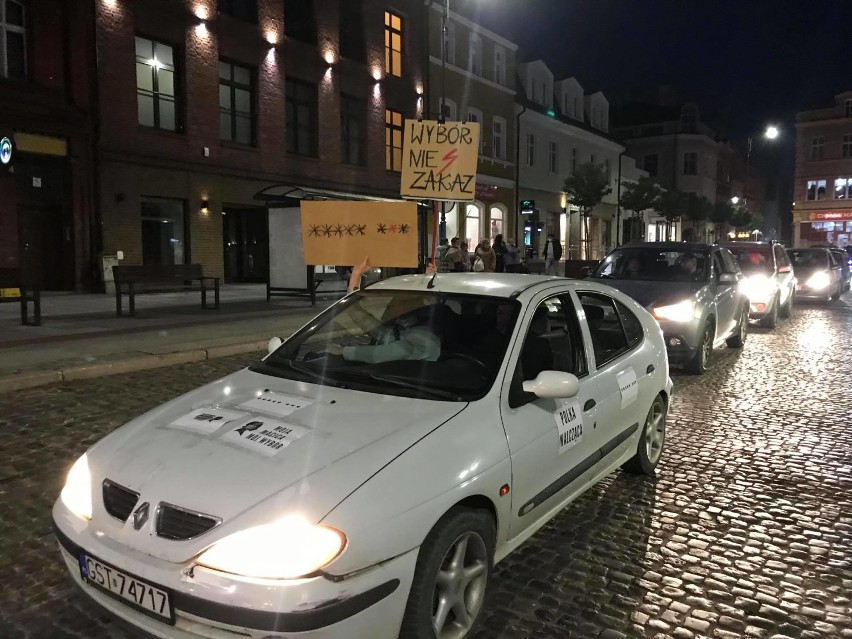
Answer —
(24, 380)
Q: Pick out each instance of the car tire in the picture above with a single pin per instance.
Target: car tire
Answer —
(787, 309)
(651, 440)
(698, 364)
(737, 340)
(836, 296)
(771, 318)
(461, 548)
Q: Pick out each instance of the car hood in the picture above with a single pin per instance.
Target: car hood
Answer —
(649, 293)
(802, 273)
(314, 446)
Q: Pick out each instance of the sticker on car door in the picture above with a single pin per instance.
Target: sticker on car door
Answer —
(628, 386)
(569, 425)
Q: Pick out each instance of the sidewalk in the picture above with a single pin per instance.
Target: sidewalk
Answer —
(81, 337)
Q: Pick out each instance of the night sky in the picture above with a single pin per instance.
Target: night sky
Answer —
(758, 60)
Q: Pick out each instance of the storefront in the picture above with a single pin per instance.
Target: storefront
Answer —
(813, 228)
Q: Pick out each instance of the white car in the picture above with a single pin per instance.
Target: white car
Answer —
(363, 479)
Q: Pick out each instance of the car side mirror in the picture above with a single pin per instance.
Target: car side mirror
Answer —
(727, 278)
(273, 344)
(553, 384)
(784, 269)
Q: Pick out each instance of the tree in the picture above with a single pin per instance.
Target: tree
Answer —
(697, 210)
(741, 217)
(586, 187)
(639, 197)
(720, 215)
(671, 205)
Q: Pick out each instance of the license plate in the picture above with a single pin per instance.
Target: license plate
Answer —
(140, 594)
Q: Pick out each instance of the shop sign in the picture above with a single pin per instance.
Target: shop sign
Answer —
(830, 215)
(5, 151)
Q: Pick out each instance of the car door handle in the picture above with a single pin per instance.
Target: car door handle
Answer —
(589, 405)
(650, 369)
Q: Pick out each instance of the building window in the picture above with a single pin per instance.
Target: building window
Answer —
(578, 108)
(164, 229)
(498, 132)
(817, 146)
(573, 160)
(475, 54)
(651, 164)
(300, 22)
(816, 190)
(448, 110)
(450, 43)
(242, 9)
(843, 188)
(608, 170)
(13, 41)
(499, 65)
(471, 226)
(393, 44)
(847, 145)
(353, 43)
(393, 140)
(236, 103)
(301, 109)
(475, 115)
(848, 110)
(496, 221)
(530, 149)
(155, 85)
(690, 163)
(353, 130)
(689, 118)
(554, 157)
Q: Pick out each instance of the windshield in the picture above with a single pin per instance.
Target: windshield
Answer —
(808, 258)
(753, 259)
(410, 343)
(653, 264)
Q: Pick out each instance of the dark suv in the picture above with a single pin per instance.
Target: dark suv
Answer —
(769, 282)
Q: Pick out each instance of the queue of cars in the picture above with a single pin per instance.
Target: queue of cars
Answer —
(363, 479)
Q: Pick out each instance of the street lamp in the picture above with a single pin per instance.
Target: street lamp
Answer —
(735, 200)
(770, 133)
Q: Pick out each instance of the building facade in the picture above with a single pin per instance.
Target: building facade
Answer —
(47, 224)
(472, 79)
(205, 104)
(822, 192)
(560, 128)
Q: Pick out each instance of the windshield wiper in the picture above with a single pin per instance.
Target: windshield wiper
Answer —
(434, 392)
(309, 373)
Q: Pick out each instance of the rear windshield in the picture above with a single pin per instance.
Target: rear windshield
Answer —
(809, 258)
(652, 264)
(753, 258)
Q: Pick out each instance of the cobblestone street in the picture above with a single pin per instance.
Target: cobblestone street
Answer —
(745, 532)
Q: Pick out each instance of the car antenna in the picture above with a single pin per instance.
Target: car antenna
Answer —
(431, 283)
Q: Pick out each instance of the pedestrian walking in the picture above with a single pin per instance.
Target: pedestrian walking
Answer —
(552, 254)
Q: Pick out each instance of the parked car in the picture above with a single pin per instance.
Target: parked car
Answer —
(845, 262)
(692, 289)
(818, 273)
(769, 280)
(365, 476)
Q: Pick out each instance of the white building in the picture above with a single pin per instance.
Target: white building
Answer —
(559, 128)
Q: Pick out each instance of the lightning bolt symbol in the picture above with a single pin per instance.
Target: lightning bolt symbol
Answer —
(450, 157)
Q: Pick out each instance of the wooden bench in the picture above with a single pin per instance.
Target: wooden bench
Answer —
(13, 278)
(161, 278)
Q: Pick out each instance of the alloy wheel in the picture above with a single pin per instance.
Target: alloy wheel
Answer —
(460, 587)
(655, 431)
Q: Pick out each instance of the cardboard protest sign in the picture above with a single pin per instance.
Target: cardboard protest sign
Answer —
(439, 160)
(344, 232)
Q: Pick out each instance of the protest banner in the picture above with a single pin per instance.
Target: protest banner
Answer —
(439, 160)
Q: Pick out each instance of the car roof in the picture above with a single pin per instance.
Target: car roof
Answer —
(746, 243)
(506, 285)
(669, 246)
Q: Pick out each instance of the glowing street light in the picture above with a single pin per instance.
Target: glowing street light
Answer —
(735, 200)
(771, 132)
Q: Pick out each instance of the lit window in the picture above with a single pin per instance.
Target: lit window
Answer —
(816, 190)
(13, 41)
(475, 53)
(236, 103)
(817, 146)
(530, 149)
(554, 157)
(393, 44)
(498, 131)
(156, 102)
(690, 163)
(843, 188)
(393, 140)
(300, 107)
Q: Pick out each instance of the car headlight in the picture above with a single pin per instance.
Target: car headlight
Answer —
(680, 312)
(819, 280)
(286, 549)
(759, 288)
(77, 492)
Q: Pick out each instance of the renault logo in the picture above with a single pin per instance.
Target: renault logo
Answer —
(140, 516)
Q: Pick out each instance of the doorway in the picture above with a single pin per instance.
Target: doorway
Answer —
(245, 237)
(42, 247)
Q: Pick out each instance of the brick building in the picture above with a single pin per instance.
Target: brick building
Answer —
(822, 193)
(47, 227)
(204, 104)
